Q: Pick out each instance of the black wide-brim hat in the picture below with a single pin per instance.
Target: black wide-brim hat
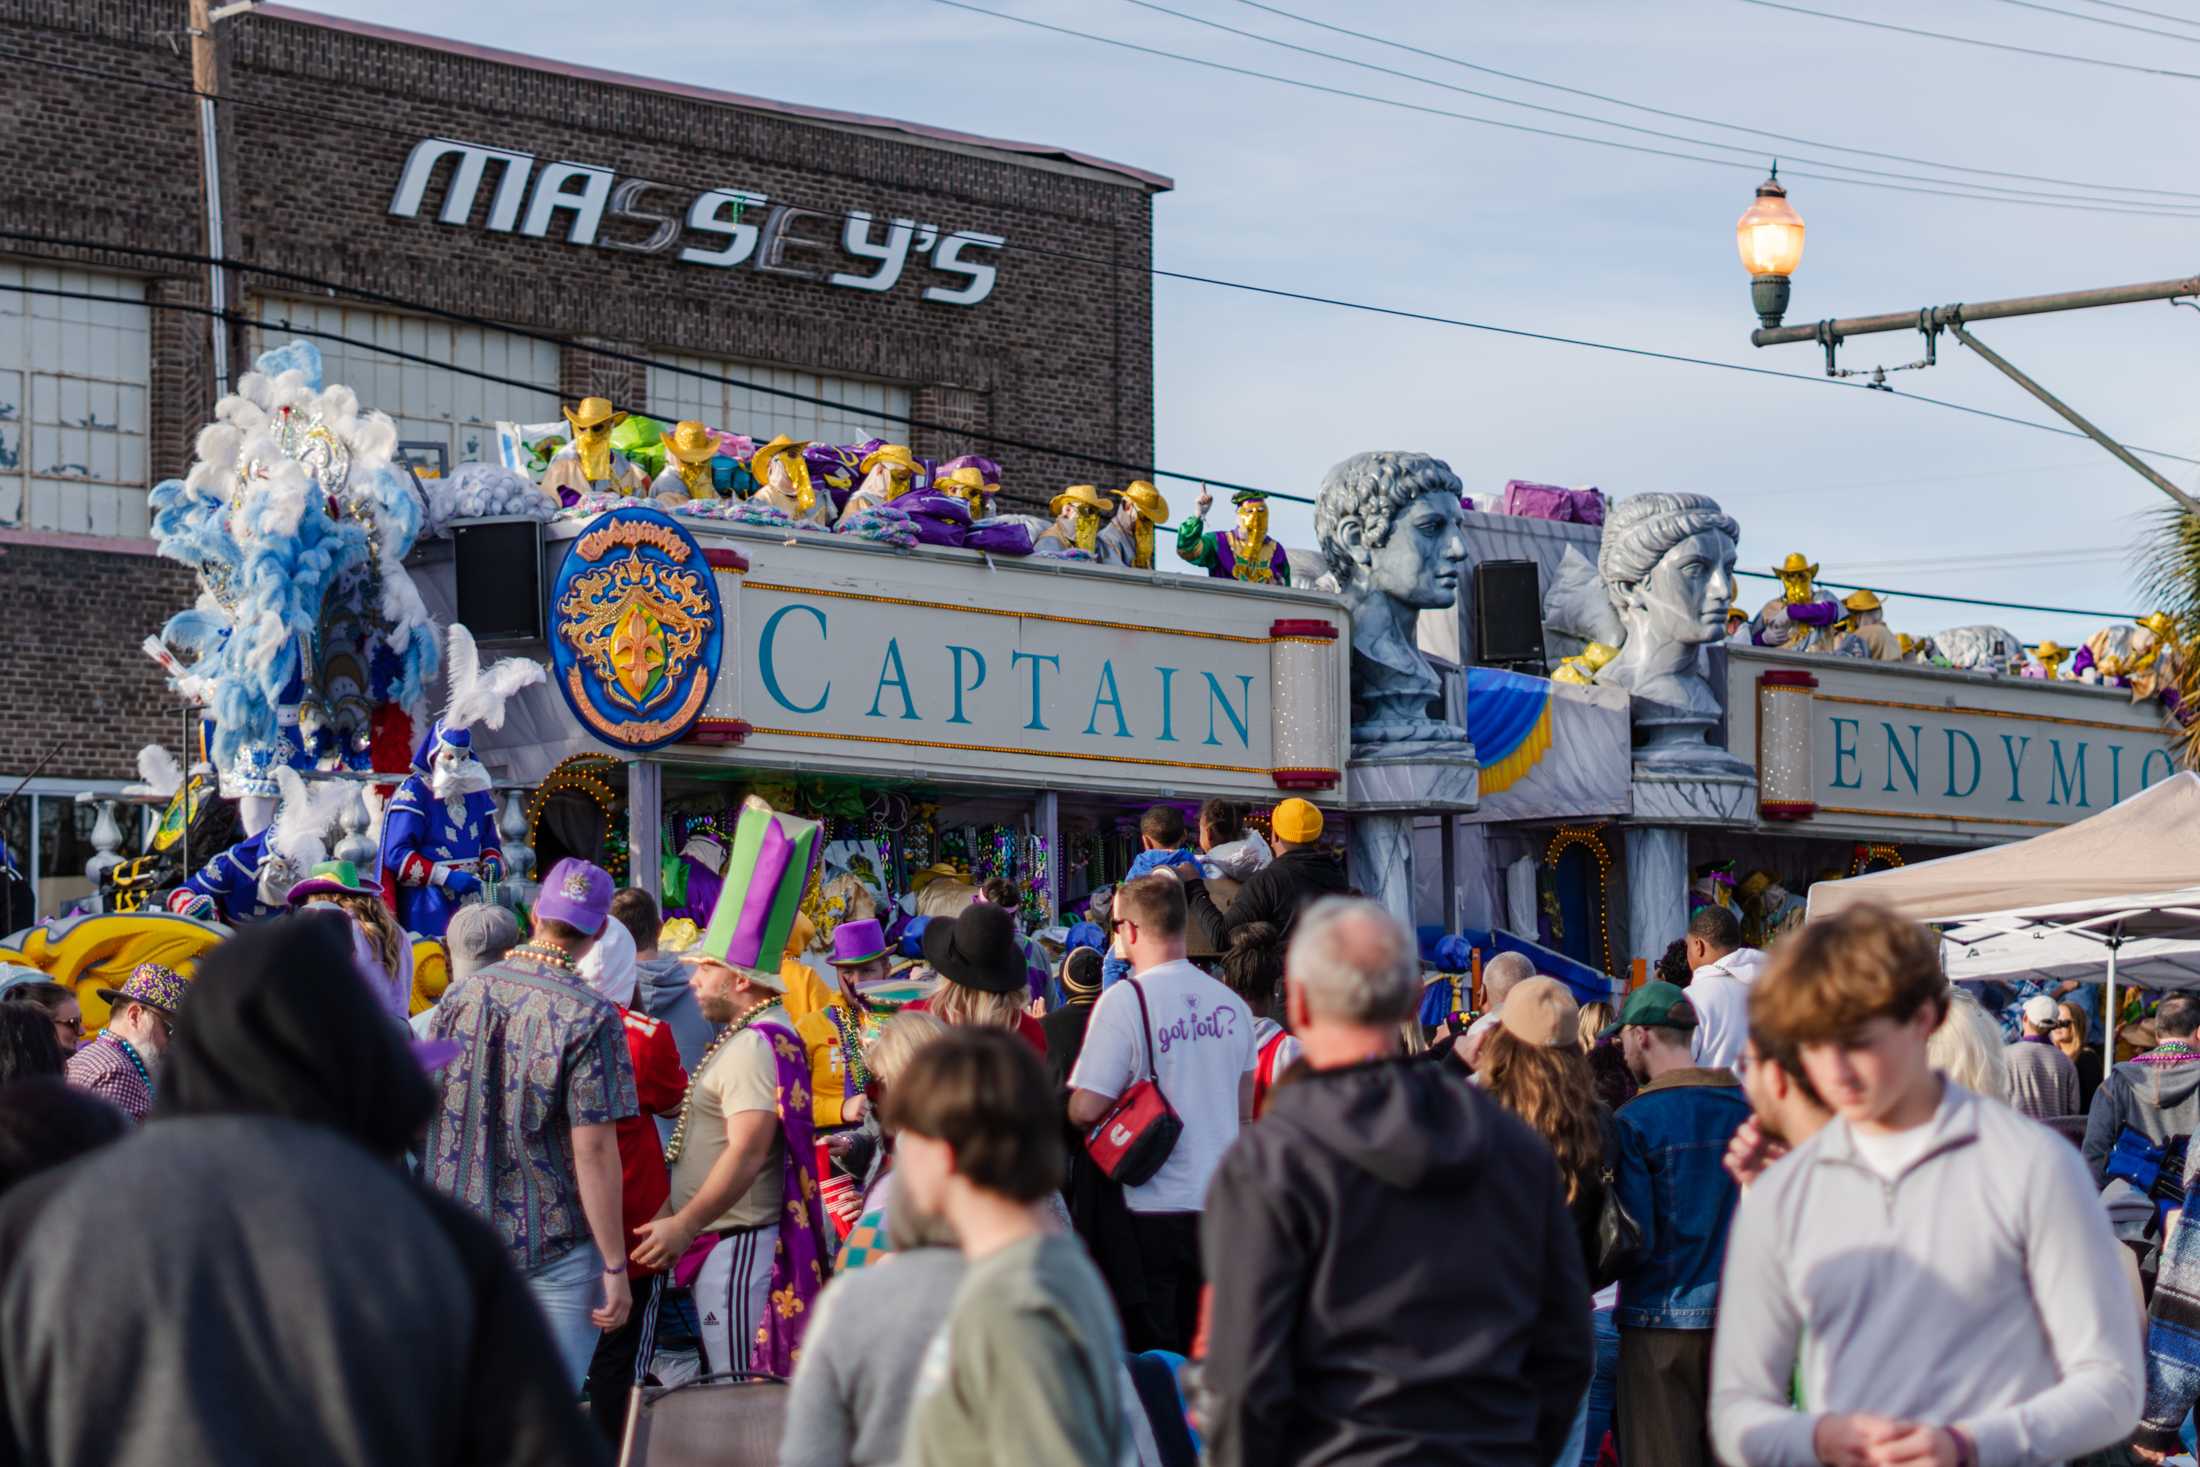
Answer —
(978, 950)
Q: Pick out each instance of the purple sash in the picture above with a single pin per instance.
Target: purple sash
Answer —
(800, 1258)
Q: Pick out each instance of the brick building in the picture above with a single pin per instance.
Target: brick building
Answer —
(996, 293)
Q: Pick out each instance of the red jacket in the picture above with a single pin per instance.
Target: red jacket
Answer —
(659, 1085)
(1033, 1033)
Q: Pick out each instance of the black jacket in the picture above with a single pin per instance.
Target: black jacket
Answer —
(1346, 1325)
(1276, 893)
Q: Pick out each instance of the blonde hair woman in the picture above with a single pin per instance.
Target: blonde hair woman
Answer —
(1967, 1047)
(1596, 1017)
(982, 975)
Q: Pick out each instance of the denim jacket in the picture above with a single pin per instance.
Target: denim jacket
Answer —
(1672, 1143)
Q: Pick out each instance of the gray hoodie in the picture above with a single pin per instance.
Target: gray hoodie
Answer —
(2156, 1100)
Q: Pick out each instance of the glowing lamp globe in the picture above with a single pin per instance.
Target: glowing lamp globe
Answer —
(1769, 236)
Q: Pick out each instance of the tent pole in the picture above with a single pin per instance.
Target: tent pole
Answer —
(2108, 1017)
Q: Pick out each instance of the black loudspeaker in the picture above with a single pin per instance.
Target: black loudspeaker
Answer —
(1508, 614)
(499, 573)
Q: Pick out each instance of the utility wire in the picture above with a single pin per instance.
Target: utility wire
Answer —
(1702, 142)
(1881, 25)
(2122, 25)
(244, 319)
(1941, 192)
(1782, 137)
(1956, 600)
(611, 354)
(2135, 10)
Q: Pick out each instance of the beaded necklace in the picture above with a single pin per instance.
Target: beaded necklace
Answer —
(130, 1053)
(849, 1026)
(678, 1142)
(546, 955)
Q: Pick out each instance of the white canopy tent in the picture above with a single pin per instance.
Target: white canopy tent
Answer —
(2115, 894)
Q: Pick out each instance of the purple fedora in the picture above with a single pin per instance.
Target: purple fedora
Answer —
(857, 943)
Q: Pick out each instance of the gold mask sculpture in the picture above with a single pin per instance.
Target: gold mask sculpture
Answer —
(592, 421)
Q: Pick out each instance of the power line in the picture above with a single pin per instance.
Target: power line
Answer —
(1956, 600)
(612, 354)
(243, 319)
(2135, 10)
(2122, 25)
(1712, 121)
(1942, 192)
(1332, 57)
(1881, 25)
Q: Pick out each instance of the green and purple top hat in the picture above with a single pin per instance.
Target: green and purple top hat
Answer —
(767, 870)
(331, 878)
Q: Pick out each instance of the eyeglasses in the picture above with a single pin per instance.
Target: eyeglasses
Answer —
(71, 1026)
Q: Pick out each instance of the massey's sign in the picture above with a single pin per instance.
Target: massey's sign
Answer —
(721, 228)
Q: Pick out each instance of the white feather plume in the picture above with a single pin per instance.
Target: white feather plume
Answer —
(307, 813)
(159, 775)
(479, 696)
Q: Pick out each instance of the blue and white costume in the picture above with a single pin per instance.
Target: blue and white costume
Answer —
(231, 881)
(437, 850)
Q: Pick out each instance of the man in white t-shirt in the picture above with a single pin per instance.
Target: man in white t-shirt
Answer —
(1723, 971)
(1503, 973)
(1197, 1037)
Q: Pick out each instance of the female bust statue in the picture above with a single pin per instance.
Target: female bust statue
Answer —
(1667, 562)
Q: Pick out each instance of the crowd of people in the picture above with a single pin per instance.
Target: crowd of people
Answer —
(1200, 1187)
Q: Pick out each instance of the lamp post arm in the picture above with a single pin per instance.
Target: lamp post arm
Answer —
(2026, 305)
(2070, 416)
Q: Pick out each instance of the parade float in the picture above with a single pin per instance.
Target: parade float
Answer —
(851, 633)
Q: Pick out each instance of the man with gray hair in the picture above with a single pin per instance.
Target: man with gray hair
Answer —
(1500, 975)
(1342, 1326)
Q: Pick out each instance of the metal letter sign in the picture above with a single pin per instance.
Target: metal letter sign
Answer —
(721, 229)
(635, 626)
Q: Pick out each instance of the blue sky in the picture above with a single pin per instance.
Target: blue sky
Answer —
(1339, 197)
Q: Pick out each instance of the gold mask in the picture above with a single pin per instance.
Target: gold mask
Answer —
(697, 477)
(594, 446)
(1795, 587)
(1252, 517)
(1088, 528)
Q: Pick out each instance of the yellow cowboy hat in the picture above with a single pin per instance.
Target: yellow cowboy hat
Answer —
(690, 442)
(919, 880)
(1859, 600)
(1146, 499)
(965, 480)
(780, 447)
(1081, 494)
(896, 455)
(2050, 651)
(593, 412)
(2161, 623)
(1795, 565)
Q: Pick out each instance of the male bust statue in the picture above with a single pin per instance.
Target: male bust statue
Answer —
(1390, 526)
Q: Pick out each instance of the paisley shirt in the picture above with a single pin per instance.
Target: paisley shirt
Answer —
(540, 1054)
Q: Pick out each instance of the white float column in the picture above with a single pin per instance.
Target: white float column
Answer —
(645, 806)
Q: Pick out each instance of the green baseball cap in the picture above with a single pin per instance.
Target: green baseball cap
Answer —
(1658, 1005)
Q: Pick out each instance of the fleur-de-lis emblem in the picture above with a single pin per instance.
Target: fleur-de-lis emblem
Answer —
(786, 1303)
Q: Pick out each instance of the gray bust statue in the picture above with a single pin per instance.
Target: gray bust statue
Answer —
(1667, 563)
(1390, 526)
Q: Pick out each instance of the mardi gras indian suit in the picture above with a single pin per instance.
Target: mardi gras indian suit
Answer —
(439, 833)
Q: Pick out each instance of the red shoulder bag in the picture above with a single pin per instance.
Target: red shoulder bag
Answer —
(1139, 1131)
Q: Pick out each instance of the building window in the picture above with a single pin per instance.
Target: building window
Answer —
(430, 402)
(872, 409)
(73, 393)
(47, 838)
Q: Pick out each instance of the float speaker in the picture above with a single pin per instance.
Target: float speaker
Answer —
(499, 575)
(1508, 613)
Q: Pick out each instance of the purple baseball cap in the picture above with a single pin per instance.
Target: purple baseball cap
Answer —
(577, 894)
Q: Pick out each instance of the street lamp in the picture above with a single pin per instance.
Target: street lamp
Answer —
(1770, 237)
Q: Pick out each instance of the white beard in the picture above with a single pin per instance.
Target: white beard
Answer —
(454, 779)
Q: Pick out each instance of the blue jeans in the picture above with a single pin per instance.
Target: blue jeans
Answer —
(1596, 1410)
(569, 1289)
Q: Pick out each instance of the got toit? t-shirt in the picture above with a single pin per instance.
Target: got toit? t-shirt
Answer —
(1201, 1044)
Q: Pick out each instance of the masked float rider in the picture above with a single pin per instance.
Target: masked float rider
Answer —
(1080, 512)
(1128, 538)
(1244, 554)
(439, 834)
(589, 464)
(690, 449)
(1798, 619)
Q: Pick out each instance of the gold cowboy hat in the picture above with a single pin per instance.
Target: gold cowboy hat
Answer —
(919, 880)
(1795, 565)
(1083, 494)
(593, 412)
(780, 447)
(896, 455)
(2161, 623)
(963, 480)
(1859, 600)
(2050, 651)
(690, 442)
(1146, 500)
